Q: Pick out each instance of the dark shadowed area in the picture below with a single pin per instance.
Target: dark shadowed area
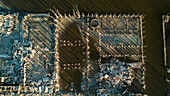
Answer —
(152, 9)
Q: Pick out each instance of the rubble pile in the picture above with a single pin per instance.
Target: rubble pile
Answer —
(8, 23)
(117, 73)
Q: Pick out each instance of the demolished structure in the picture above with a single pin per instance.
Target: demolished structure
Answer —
(58, 54)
